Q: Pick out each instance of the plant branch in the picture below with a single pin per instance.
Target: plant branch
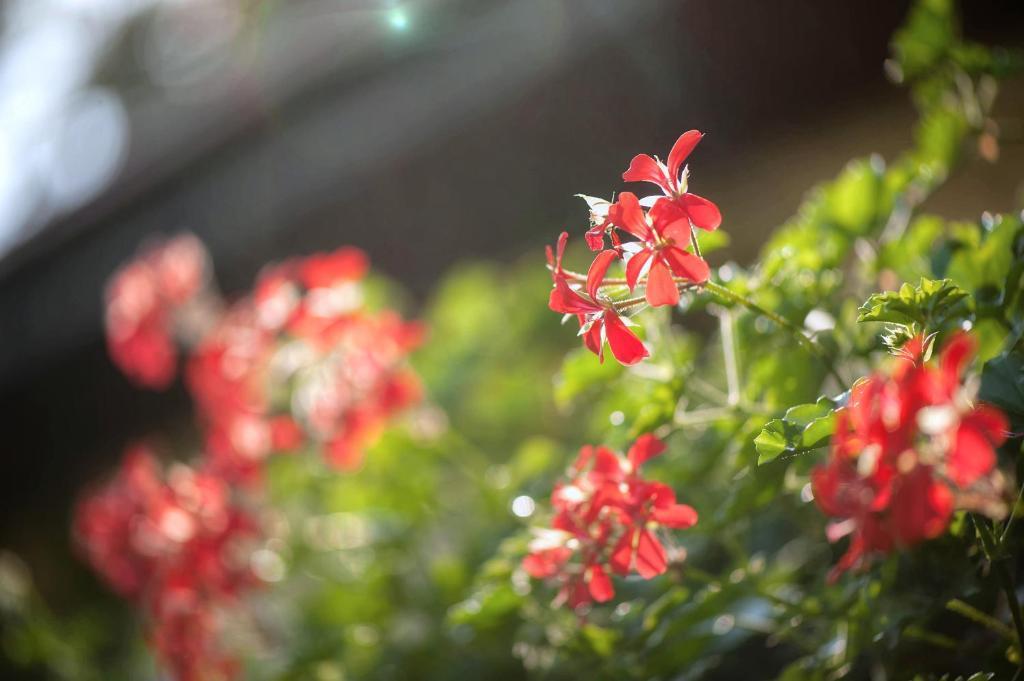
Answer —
(998, 561)
(978, 617)
(797, 332)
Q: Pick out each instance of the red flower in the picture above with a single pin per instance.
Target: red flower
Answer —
(302, 361)
(660, 258)
(678, 202)
(144, 300)
(606, 519)
(599, 321)
(908, 449)
(326, 270)
(663, 240)
(176, 544)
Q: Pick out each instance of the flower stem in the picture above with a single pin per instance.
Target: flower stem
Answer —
(801, 337)
(984, 619)
(997, 558)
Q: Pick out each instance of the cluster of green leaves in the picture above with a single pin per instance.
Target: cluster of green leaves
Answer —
(811, 322)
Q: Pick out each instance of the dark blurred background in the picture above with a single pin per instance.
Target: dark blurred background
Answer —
(426, 132)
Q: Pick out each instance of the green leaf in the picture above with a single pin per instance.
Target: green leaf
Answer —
(927, 304)
(601, 639)
(1002, 384)
(803, 428)
(582, 373)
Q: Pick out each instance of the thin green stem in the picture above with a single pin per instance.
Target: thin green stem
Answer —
(978, 617)
(797, 332)
(1013, 514)
(998, 558)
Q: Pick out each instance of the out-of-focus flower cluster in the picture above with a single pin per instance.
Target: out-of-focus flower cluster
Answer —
(607, 520)
(662, 256)
(148, 304)
(300, 362)
(910, 448)
(178, 545)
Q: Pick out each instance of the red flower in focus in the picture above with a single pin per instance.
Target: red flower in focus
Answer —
(606, 520)
(663, 240)
(662, 256)
(599, 321)
(177, 546)
(671, 178)
(143, 303)
(908, 449)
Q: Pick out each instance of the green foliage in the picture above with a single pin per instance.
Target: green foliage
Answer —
(802, 429)
(1002, 384)
(927, 305)
(410, 568)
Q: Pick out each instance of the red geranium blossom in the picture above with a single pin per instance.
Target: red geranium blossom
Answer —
(302, 361)
(144, 303)
(606, 521)
(599, 321)
(909, 448)
(663, 241)
(177, 545)
(672, 180)
(662, 256)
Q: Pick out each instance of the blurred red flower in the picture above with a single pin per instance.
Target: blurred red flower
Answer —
(908, 449)
(177, 545)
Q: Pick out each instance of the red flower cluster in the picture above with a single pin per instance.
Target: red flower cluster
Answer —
(302, 361)
(664, 255)
(909, 448)
(178, 546)
(606, 519)
(144, 304)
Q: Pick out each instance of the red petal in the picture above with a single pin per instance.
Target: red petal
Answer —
(621, 560)
(630, 216)
(547, 562)
(921, 508)
(566, 301)
(678, 231)
(661, 288)
(974, 454)
(651, 560)
(600, 584)
(955, 356)
(584, 457)
(678, 516)
(579, 595)
(702, 212)
(324, 270)
(666, 211)
(606, 462)
(635, 266)
(563, 239)
(686, 265)
(595, 275)
(971, 458)
(680, 150)
(643, 168)
(595, 238)
(592, 340)
(646, 447)
(625, 345)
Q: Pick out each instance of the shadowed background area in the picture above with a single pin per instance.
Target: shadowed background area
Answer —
(424, 132)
